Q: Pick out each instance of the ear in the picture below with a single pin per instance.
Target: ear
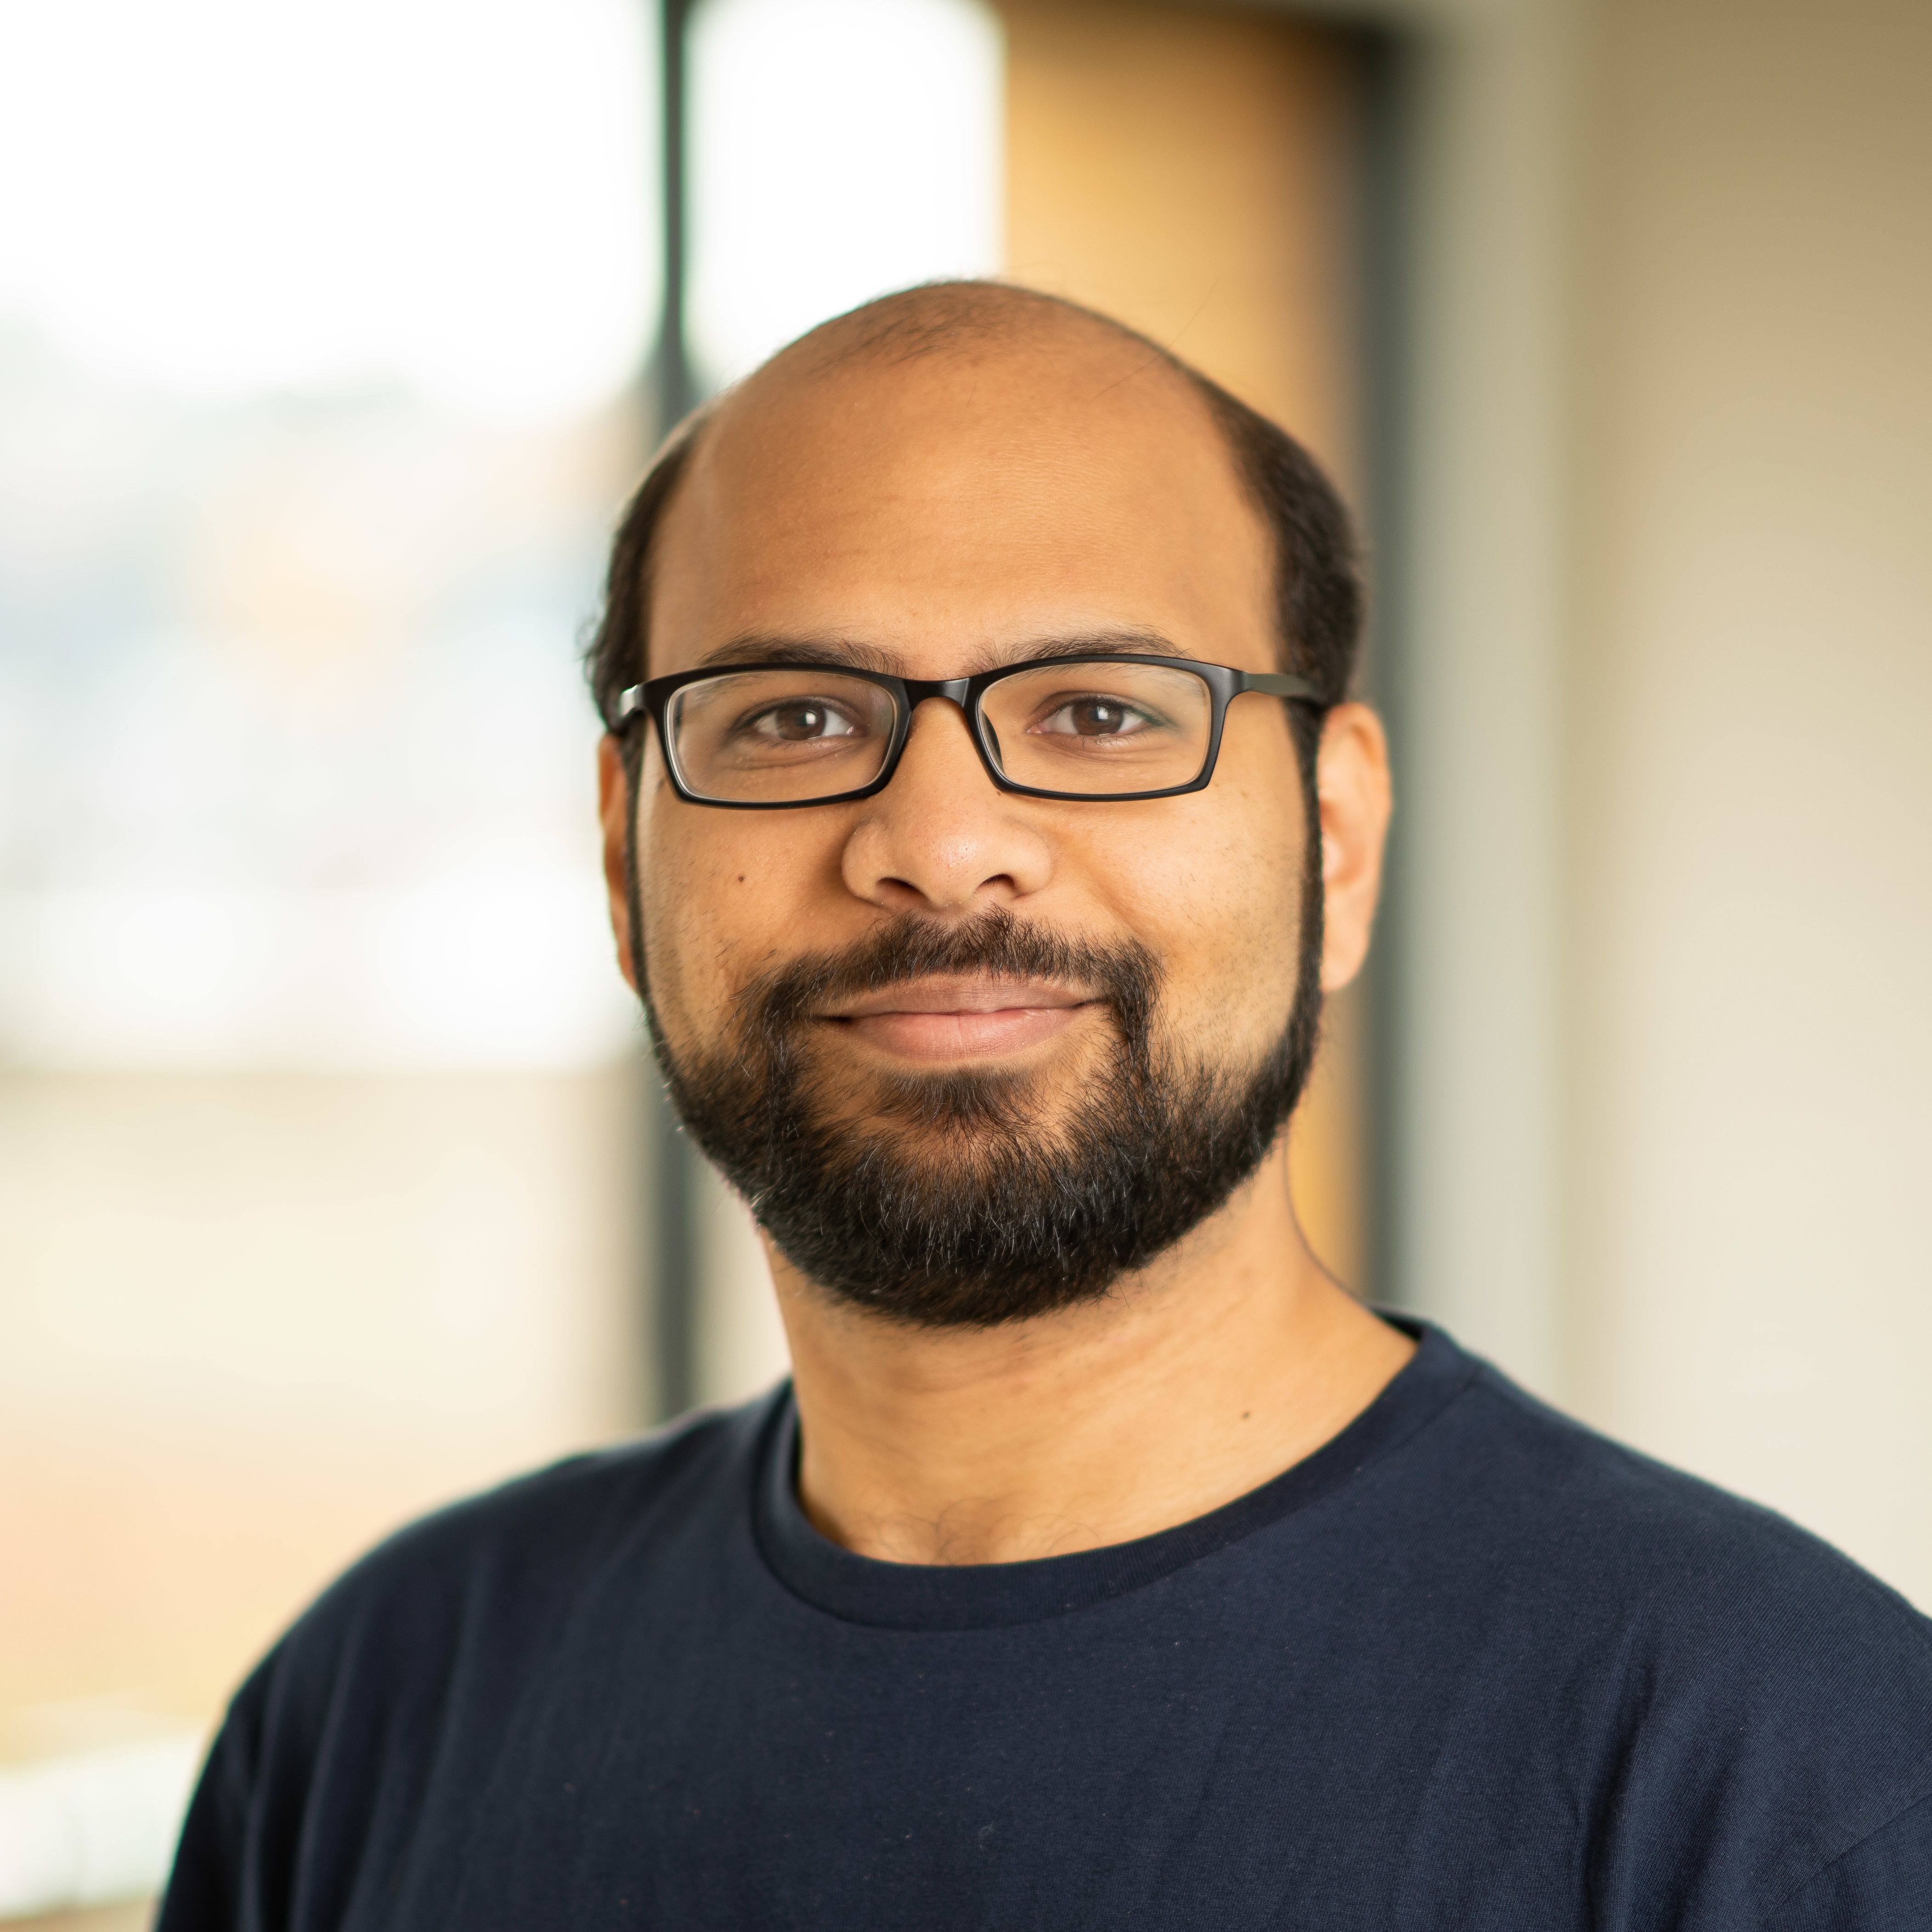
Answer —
(1351, 784)
(618, 820)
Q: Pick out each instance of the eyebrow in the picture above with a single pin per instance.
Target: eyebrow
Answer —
(849, 654)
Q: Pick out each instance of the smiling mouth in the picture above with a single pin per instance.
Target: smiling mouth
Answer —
(972, 1017)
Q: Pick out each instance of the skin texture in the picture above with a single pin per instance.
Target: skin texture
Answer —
(936, 515)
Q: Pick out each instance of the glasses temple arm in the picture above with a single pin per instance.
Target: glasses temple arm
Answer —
(1282, 684)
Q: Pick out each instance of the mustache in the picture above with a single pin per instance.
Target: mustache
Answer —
(772, 1042)
(1125, 974)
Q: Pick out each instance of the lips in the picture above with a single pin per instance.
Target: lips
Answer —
(967, 1017)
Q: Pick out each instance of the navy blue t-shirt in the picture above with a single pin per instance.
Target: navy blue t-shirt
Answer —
(1467, 1666)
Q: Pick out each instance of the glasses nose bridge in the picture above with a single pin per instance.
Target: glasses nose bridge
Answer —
(958, 691)
(919, 689)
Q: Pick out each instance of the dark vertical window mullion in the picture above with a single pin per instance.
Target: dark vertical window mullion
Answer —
(671, 1193)
(676, 392)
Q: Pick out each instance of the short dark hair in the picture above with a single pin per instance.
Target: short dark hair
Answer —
(1319, 598)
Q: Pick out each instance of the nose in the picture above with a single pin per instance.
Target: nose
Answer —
(942, 838)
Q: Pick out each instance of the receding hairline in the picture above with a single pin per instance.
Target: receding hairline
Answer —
(960, 321)
(955, 319)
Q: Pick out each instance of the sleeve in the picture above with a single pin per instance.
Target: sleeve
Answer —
(1882, 1884)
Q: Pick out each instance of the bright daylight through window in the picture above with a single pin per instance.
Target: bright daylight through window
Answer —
(316, 326)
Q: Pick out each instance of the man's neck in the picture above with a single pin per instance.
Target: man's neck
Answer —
(1232, 1358)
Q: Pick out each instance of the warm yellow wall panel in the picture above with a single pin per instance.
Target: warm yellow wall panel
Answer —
(1195, 173)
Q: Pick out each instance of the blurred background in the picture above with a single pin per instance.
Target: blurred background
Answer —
(332, 1180)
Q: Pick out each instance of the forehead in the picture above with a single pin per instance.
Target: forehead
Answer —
(949, 510)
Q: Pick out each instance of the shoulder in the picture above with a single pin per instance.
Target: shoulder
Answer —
(501, 1571)
(424, 1651)
(1742, 1691)
(578, 1502)
(1531, 1527)
(1584, 1508)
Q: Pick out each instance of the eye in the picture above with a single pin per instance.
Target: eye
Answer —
(1095, 717)
(800, 721)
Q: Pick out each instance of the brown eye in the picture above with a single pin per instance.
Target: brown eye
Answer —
(1099, 718)
(1094, 717)
(804, 721)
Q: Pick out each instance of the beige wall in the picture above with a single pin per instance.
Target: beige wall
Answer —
(1749, 862)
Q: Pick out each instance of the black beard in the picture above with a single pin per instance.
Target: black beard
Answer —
(959, 1200)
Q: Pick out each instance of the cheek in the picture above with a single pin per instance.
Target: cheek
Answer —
(726, 896)
(1214, 887)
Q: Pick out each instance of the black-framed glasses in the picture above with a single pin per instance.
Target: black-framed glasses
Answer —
(759, 737)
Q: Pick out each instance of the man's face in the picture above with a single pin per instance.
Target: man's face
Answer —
(936, 518)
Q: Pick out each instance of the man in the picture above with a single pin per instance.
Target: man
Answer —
(985, 817)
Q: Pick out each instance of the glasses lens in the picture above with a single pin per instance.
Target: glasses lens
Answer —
(778, 737)
(1101, 728)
